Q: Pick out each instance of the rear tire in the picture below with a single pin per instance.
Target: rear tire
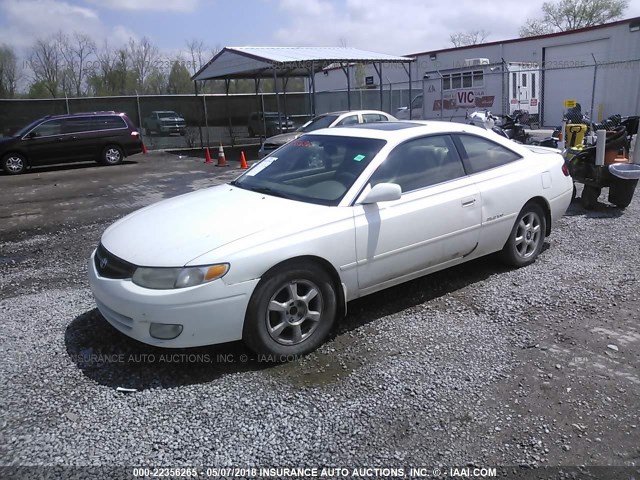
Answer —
(590, 196)
(526, 237)
(290, 312)
(621, 192)
(14, 163)
(111, 155)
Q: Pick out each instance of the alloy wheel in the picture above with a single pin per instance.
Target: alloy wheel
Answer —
(528, 235)
(294, 312)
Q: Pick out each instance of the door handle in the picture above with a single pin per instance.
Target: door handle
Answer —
(468, 202)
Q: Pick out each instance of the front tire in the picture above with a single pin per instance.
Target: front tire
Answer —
(14, 164)
(290, 312)
(526, 237)
(111, 155)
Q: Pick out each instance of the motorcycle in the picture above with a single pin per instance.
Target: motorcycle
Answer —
(510, 127)
(620, 176)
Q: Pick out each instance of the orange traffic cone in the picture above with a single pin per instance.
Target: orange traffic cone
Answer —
(207, 156)
(222, 162)
(243, 161)
(144, 149)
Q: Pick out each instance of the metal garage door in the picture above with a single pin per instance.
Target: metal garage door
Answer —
(569, 72)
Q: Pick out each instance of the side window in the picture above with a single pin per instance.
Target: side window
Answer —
(109, 122)
(78, 125)
(372, 117)
(482, 154)
(350, 120)
(46, 129)
(420, 163)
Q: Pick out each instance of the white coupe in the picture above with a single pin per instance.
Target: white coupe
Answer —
(273, 257)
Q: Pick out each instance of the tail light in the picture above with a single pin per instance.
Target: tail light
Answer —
(565, 170)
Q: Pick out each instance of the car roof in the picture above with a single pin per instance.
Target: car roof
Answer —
(343, 112)
(417, 128)
(399, 131)
(81, 114)
(386, 126)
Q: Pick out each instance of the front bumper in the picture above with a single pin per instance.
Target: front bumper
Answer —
(211, 313)
(173, 128)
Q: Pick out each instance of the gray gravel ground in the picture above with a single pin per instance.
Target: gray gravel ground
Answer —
(478, 365)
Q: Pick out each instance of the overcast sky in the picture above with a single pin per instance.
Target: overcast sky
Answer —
(392, 26)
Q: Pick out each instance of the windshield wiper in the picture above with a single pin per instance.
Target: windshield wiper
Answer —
(269, 191)
(265, 190)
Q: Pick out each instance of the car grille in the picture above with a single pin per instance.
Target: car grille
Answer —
(110, 266)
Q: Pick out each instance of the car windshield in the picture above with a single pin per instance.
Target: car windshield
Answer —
(317, 123)
(25, 130)
(167, 114)
(317, 169)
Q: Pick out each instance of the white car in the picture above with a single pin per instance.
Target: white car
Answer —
(274, 256)
(326, 120)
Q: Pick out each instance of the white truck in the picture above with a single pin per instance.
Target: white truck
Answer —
(501, 88)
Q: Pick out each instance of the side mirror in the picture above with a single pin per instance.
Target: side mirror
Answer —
(382, 192)
(32, 134)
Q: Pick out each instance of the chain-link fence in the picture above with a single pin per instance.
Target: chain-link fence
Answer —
(540, 91)
(210, 119)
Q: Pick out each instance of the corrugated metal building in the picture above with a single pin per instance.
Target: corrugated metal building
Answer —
(598, 66)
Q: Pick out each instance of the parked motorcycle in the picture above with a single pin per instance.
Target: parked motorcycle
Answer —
(510, 127)
(482, 118)
(620, 176)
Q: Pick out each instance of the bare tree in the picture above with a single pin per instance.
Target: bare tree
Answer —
(144, 58)
(196, 49)
(76, 50)
(46, 64)
(474, 37)
(8, 72)
(565, 15)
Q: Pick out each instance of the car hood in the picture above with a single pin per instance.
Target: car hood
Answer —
(283, 138)
(6, 139)
(172, 119)
(176, 231)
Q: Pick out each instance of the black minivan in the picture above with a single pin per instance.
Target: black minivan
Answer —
(106, 137)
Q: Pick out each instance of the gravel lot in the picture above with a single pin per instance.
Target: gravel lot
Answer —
(478, 365)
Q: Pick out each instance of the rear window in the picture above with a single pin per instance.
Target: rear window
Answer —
(483, 154)
(318, 123)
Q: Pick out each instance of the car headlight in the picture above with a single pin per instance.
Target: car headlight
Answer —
(161, 278)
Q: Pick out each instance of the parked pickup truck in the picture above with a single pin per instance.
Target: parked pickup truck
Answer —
(164, 122)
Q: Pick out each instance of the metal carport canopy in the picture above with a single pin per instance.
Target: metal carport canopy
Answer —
(274, 62)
